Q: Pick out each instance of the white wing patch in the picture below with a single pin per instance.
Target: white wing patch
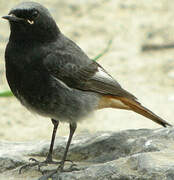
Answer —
(62, 83)
(102, 74)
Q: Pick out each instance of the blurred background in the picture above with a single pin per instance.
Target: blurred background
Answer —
(141, 58)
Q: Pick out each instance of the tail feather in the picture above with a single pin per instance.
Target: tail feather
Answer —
(138, 108)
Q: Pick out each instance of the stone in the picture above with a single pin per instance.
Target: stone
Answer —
(130, 154)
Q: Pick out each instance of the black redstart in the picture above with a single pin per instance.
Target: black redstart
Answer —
(52, 76)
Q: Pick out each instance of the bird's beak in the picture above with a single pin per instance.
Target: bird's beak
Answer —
(12, 17)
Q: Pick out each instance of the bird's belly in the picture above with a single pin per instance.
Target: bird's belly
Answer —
(74, 105)
(48, 97)
(62, 105)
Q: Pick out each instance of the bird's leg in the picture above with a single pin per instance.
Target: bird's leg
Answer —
(50, 153)
(49, 159)
(72, 127)
(49, 156)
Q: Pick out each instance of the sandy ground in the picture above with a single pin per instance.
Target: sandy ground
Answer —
(91, 24)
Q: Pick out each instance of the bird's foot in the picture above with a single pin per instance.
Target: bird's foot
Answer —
(40, 164)
(60, 169)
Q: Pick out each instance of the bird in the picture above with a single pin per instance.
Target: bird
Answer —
(52, 76)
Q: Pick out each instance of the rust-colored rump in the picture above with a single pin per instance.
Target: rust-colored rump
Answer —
(108, 101)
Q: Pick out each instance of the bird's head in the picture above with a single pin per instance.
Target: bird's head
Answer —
(31, 21)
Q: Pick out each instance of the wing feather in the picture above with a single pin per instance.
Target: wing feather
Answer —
(88, 76)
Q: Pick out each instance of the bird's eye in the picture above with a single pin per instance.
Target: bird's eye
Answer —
(35, 14)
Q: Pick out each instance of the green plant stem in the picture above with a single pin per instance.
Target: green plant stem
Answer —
(104, 51)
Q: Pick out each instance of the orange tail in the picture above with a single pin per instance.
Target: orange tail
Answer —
(131, 104)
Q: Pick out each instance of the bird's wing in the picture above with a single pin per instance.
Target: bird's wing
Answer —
(87, 76)
(90, 76)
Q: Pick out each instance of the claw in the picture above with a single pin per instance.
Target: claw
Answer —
(27, 165)
(43, 163)
(49, 174)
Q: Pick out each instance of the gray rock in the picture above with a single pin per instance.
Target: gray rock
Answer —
(126, 155)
